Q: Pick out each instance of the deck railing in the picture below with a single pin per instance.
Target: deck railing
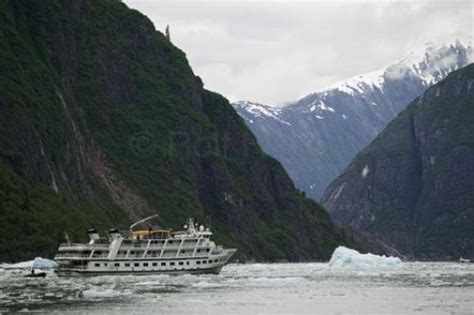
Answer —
(71, 245)
(58, 256)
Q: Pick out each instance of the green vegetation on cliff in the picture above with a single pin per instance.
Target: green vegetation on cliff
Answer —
(102, 122)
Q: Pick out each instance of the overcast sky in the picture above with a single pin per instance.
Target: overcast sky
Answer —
(276, 51)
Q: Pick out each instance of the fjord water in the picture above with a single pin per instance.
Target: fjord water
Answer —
(300, 288)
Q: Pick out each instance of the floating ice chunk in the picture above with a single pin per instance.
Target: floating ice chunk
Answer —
(346, 257)
(37, 263)
(100, 293)
(43, 263)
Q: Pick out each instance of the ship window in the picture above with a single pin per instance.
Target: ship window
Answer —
(207, 250)
(172, 263)
(181, 263)
(145, 264)
(170, 242)
(154, 264)
(136, 264)
(163, 264)
(97, 265)
(204, 261)
(198, 250)
(198, 262)
(187, 263)
(117, 265)
(183, 252)
(127, 265)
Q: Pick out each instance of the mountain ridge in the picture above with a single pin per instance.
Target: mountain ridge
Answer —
(412, 186)
(316, 137)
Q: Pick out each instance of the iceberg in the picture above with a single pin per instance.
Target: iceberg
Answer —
(346, 257)
(37, 263)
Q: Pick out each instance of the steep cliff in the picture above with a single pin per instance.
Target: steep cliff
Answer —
(102, 122)
(413, 186)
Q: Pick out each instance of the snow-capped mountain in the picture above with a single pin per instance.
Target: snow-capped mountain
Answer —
(316, 137)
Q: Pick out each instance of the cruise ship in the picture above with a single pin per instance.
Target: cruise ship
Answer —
(144, 252)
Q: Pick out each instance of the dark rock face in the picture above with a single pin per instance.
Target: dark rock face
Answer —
(413, 186)
(103, 121)
(316, 137)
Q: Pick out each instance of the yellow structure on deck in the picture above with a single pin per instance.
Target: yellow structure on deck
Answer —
(145, 234)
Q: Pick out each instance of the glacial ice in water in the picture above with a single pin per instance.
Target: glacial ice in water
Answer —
(37, 263)
(278, 288)
(346, 257)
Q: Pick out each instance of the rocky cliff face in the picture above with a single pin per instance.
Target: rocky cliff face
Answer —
(413, 186)
(102, 122)
(316, 137)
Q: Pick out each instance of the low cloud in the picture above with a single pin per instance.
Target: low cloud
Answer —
(277, 51)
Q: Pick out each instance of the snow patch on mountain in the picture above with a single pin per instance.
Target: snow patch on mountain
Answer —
(261, 111)
(365, 171)
(358, 84)
(430, 65)
(321, 106)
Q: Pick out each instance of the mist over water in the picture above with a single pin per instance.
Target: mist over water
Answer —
(304, 288)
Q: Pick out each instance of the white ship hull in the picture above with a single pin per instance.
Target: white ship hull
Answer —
(79, 272)
(196, 265)
(144, 252)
